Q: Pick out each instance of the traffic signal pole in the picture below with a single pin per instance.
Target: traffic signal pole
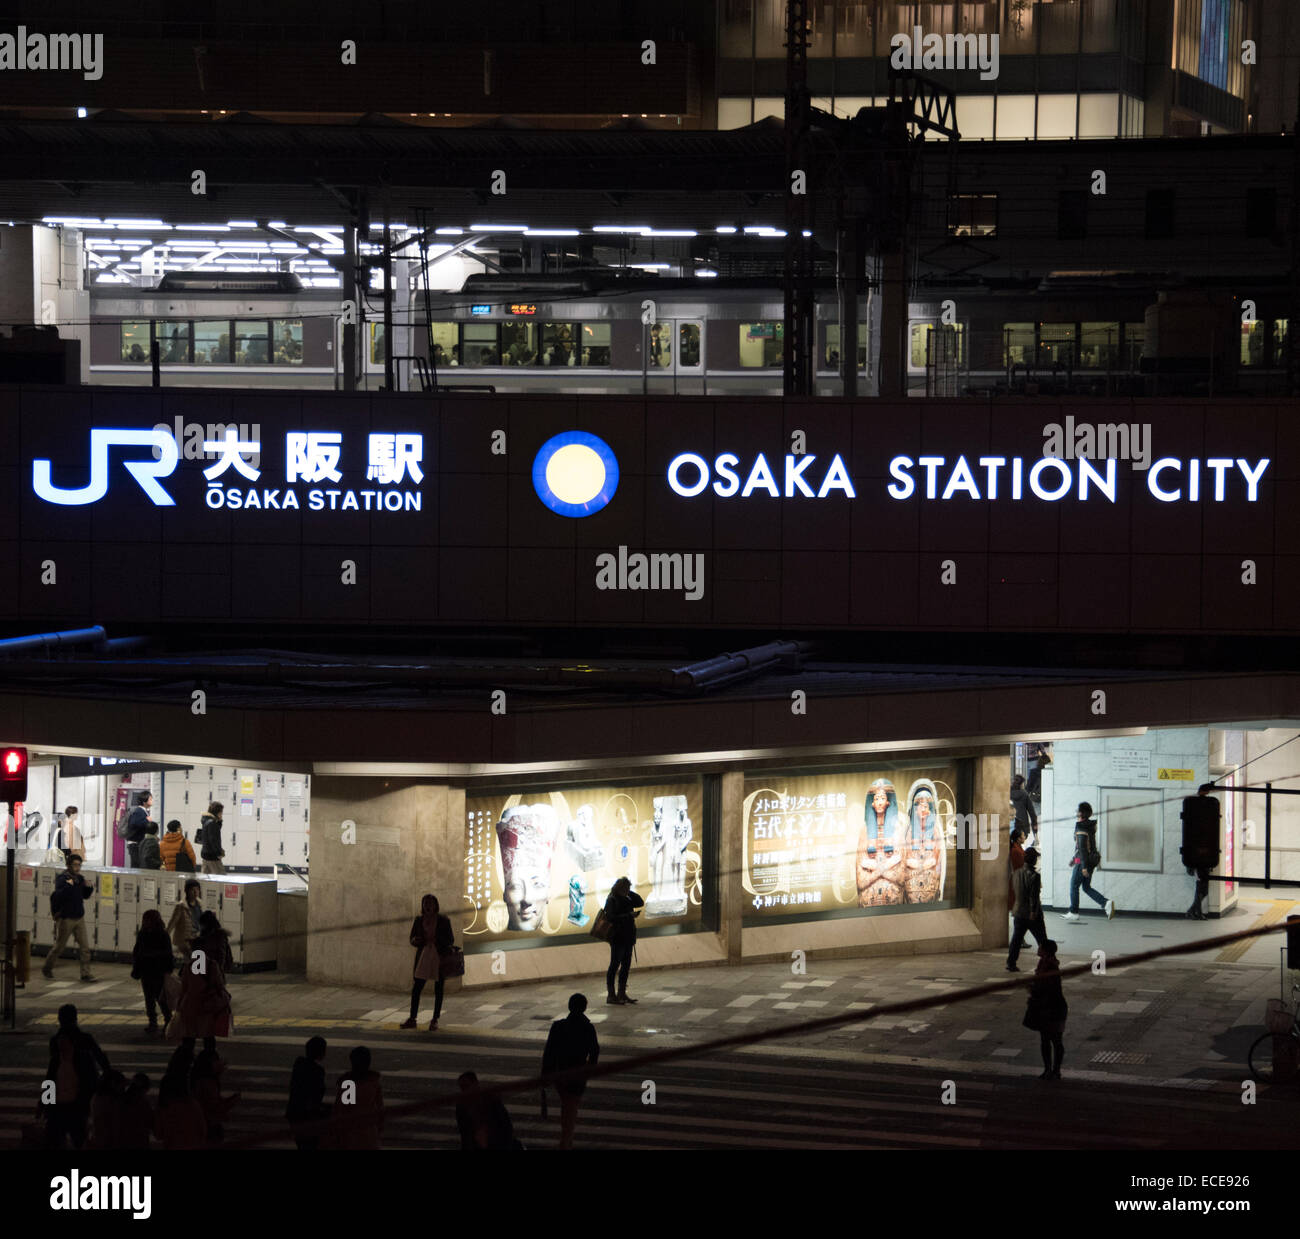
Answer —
(9, 995)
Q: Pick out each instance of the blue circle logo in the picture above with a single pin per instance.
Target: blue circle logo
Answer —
(575, 473)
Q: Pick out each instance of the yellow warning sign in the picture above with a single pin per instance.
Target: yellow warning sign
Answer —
(106, 886)
(1175, 776)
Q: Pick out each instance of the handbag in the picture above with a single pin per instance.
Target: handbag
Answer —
(452, 964)
(602, 927)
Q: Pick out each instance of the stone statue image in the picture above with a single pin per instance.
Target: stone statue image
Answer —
(670, 835)
(581, 840)
(527, 835)
(880, 868)
(924, 861)
(577, 893)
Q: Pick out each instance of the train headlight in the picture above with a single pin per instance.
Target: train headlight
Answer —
(575, 473)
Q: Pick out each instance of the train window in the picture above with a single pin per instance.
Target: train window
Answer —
(596, 344)
(831, 353)
(1135, 335)
(1056, 344)
(954, 344)
(762, 344)
(212, 343)
(518, 344)
(446, 344)
(1279, 341)
(173, 341)
(1098, 346)
(688, 345)
(1252, 343)
(251, 344)
(1017, 344)
(286, 336)
(378, 344)
(479, 344)
(661, 345)
(559, 344)
(135, 342)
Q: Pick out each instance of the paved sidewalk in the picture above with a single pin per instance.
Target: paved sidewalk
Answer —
(1185, 1022)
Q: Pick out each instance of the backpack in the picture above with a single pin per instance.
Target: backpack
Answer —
(120, 828)
(183, 862)
(1094, 859)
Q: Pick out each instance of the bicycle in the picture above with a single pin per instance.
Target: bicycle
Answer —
(1260, 1058)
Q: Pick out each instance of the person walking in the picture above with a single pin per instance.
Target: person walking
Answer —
(622, 907)
(176, 850)
(358, 1105)
(307, 1110)
(206, 1084)
(1026, 820)
(150, 849)
(137, 1114)
(1046, 1010)
(75, 1065)
(205, 1007)
(1086, 859)
(1027, 915)
(179, 1122)
(432, 938)
(184, 922)
(210, 845)
(483, 1122)
(70, 837)
(1202, 875)
(1017, 859)
(106, 1111)
(571, 1044)
(133, 831)
(68, 904)
(151, 961)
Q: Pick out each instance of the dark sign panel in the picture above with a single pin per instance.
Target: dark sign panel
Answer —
(76, 767)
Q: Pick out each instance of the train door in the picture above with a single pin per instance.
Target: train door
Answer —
(676, 348)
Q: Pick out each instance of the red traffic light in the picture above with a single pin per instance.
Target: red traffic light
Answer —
(13, 762)
(13, 775)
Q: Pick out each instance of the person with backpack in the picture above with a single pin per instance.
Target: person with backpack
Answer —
(76, 1062)
(184, 922)
(1046, 1011)
(151, 961)
(571, 1044)
(209, 838)
(133, 830)
(150, 850)
(1086, 860)
(68, 907)
(176, 851)
(622, 907)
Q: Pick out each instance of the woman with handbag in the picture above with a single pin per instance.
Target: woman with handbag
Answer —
(435, 951)
(151, 961)
(1047, 1010)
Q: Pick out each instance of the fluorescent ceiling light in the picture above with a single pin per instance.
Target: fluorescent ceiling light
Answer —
(672, 232)
(202, 227)
(449, 232)
(277, 223)
(242, 223)
(498, 227)
(81, 113)
(642, 229)
(551, 232)
(139, 223)
(725, 228)
(807, 232)
(704, 273)
(71, 219)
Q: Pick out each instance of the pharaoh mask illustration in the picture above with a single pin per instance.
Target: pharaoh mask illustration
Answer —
(925, 855)
(527, 836)
(880, 870)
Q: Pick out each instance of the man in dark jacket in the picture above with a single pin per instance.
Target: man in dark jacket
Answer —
(76, 1062)
(68, 903)
(1026, 818)
(622, 907)
(572, 1044)
(212, 851)
(1082, 867)
(135, 824)
(306, 1109)
(150, 856)
(1027, 915)
(484, 1122)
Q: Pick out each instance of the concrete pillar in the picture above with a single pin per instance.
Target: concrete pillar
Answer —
(731, 886)
(990, 873)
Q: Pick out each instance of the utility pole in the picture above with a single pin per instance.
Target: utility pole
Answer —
(799, 342)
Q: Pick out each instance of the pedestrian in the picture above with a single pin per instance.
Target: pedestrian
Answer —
(137, 1114)
(68, 905)
(622, 908)
(184, 922)
(151, 961)
(205, 1007)
(150, 851)
(1086, 859)
(432, 938)
(76, 1062)
(571, 1044)
(1026, 819)
(179, 1122)
(484, 1122)
(70, 838)
(306, 1110)
(358, 1105)
(1202, 887)
(205, 1081)
(211, 849)
(1017, 859)
(176, 850)
(133, 832)
(1042, 759)
(1027, 915)
(106, 1111)
(1046, 1010)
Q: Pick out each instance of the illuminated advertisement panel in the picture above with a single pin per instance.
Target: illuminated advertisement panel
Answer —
(541, 864)
(857, 839)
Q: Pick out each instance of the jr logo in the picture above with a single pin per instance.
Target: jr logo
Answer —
(147, 472)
